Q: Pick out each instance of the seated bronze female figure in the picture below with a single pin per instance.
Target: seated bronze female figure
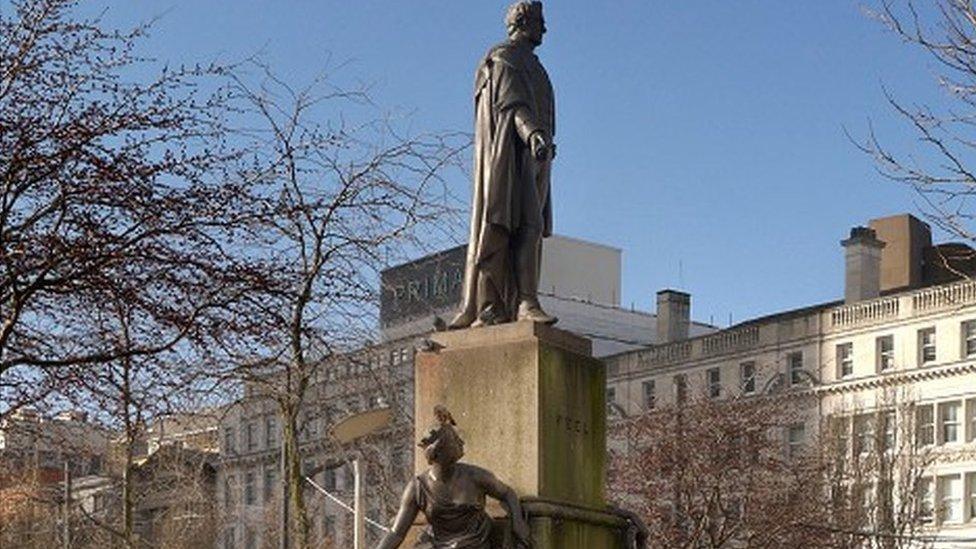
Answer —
(452, 497)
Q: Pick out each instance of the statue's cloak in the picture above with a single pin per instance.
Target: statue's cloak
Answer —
(502, 164)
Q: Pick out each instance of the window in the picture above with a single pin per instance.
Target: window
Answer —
(794, 439)
(399, 459)
(269, 483)
(841, 430)
(270, 431)
(252, 436)
(611, 396)
(924, 425)
(971, 495)
(794, 363)
(863, 433)
(950, 498)
(648, 391)
(926, 346)
(309, 427)
(971, 420)
(249, 488)
(229, 492)
(229, 538)
(48, 458)
(734, 512)
(714, 376)
(949, 415)
(328, 527)
(747, 377)
(885, 497)
(330, 479)
(969, 338)
(229, 442)
(864, 496)
(680, 388)
(885, 348)
(888, 430)
(924, 500)
(845, 360)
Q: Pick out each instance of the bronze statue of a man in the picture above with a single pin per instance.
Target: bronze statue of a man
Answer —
(511, 210)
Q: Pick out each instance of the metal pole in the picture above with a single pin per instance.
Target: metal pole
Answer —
(284, 492)
(67, 506)
(359, 534)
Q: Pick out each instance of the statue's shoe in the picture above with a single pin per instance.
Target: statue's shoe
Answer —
(462, 320)
(533, 312)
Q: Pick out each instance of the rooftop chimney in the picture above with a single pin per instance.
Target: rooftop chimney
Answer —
(906, 238)
(862, 258)
(673, 315)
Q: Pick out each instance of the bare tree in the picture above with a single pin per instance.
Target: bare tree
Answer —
(139, 249)
(172, 505)
(728, 473)
(716, 474)
(341, 192)
(110, 189)
(134, 391)
(939, 169)
(875, 464)
(29, 516)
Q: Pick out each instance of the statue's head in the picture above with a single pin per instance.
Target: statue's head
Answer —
(524, 20)
(443, 445)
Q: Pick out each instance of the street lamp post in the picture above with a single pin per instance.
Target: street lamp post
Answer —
(359, 532)
(67, 506)
(348, 430)
(284, 492)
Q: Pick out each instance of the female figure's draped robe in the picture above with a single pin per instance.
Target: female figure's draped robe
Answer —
(453, 525)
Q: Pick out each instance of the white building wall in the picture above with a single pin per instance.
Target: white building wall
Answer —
(580, 270)
(817, 333)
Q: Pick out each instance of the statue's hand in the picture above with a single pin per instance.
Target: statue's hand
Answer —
(540, 146)
(523, 535)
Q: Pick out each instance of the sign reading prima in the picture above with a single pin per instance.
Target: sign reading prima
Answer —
(422, 287)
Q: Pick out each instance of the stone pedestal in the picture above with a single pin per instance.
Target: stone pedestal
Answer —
(530, 403)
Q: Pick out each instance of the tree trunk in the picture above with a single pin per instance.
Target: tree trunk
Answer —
(298, 523)
(127, 503)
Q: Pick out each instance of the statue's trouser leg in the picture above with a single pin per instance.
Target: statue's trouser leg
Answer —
(488, 295)
(492, 272)
(528, 257)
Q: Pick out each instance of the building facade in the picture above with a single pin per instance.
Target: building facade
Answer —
(36, 452)
(32, 442)
(895, 359)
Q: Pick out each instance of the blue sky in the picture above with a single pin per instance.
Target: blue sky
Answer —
(704, 138)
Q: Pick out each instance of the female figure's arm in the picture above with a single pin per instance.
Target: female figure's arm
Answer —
(404, 519)
(510, 501)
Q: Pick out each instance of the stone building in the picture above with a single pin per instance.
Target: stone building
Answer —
(580, 284)
(35, 451)
(30, 441)
(173, 501)
(897, 355)
(196, 430)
